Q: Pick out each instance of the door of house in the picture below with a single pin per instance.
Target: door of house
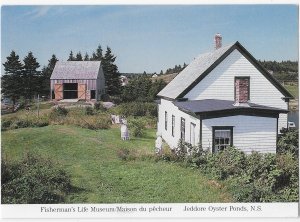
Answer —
(58, 91)
(82, 91)
(192, 134)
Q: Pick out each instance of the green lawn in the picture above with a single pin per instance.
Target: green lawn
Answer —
(293, 89)
(101, 177)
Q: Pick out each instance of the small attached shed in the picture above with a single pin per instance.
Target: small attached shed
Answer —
(82, 80)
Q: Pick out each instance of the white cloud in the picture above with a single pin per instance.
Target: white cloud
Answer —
(38, 12)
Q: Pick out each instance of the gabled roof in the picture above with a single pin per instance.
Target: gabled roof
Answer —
(76, 70)
(203, 65)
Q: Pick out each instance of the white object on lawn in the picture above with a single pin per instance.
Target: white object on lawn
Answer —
(158, 144)
(124, 132)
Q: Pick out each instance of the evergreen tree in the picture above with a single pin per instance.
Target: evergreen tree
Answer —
(71, 57)
(99, 55)
(45, 76)
(86, 57)
(111, 73)
(78, 57)
(94, 57)
(12, 86)
(30, 76)
(161, 72)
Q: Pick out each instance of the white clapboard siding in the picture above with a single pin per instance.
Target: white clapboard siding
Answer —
(250, 133)
(171, 109)
(219, 84)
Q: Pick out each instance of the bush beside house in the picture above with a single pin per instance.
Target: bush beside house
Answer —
(257, 177)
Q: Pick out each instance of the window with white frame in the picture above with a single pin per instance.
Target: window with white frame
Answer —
(166, 120)
(222, 138)
(182, 129)
(173, 125)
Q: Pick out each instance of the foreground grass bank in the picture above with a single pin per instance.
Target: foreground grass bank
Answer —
(90, 157)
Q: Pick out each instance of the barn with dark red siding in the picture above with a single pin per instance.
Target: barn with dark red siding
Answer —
(82, 80)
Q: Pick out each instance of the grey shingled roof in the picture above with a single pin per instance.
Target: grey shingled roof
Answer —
(211, 105)
(187, 76)
(76, 70)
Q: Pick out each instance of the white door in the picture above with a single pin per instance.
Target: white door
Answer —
(192, 136)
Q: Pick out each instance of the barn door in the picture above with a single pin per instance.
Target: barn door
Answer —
(81, 91)
(58, 91)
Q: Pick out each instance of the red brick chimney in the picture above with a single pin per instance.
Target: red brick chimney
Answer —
(241, 91)
(218, 41)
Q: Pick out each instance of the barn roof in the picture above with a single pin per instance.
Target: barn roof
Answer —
(76, 70)
(203, 65)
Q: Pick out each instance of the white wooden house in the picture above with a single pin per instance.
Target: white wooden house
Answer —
(224, 98)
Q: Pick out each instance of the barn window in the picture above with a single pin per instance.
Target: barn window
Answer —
(222, 137)
(242, 89)
(173, 125)
(93, 94)
(182, 129)
(166, 120)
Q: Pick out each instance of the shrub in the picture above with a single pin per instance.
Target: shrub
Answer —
(89, 122)
(24, 121)
(167, 155)
(33, 180)
(181, 149)
(226, 163)
(6, 123)
(136, 109)
(288, 142)
(58, 112)
(88, 110)
(99, 107)
(125, 154)
(197, 156)
(136, 127)
(267, 178)
(19, 123)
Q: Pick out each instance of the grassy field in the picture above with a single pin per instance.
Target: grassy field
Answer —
(293, 89)
(101, 177)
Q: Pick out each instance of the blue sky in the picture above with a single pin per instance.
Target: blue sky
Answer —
(150, 38)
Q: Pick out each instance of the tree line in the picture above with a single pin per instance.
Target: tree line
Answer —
(282, 71)
(141, 89)
(22, 79)
(176, 69)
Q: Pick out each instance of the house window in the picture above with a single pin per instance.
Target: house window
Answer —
(173, 125)
(192, 134)
(242, 89)
(182, 129)
(222, 137)
(166, 120)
